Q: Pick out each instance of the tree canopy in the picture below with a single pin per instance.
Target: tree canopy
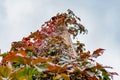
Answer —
(50, 54)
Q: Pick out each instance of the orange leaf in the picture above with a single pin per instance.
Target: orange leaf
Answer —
(57, 69)
(27, 60)
(23, 53)
(40, 60)
(10, 54)
(14, 58)
(54, 68)
(94, 78)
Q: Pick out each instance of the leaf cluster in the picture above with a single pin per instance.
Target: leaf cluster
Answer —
(44, 55)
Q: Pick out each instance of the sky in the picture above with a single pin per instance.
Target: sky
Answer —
(101, 17)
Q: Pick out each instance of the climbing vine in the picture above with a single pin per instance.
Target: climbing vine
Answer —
(50, 54)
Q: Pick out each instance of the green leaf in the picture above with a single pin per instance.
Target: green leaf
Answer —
(5, 71)
(4, 54)
(24, 73)
(105, 75)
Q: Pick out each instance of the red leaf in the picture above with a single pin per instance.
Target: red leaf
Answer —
(25, 39)
(98, 52)
(113, 73)
(108, 67)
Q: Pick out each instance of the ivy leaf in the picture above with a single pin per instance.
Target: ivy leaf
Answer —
(25, 73)
(14, 58)
(18, 59)
(27, 60)
(65, 76)
(40, 60)
(5, 71)
(1, 78)
(25, 39)
(23, 53)
(56, 69)
(53, 68)
(4, 54)
(98, 52)
(105, 75)
(113, 73)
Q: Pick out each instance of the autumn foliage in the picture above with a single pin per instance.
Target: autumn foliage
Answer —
(50, 54)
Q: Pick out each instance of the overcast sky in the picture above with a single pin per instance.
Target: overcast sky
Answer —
(101, 17)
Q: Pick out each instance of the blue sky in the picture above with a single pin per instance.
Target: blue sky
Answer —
(101, 17)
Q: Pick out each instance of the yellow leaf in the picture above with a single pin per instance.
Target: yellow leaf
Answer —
(65, 77)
